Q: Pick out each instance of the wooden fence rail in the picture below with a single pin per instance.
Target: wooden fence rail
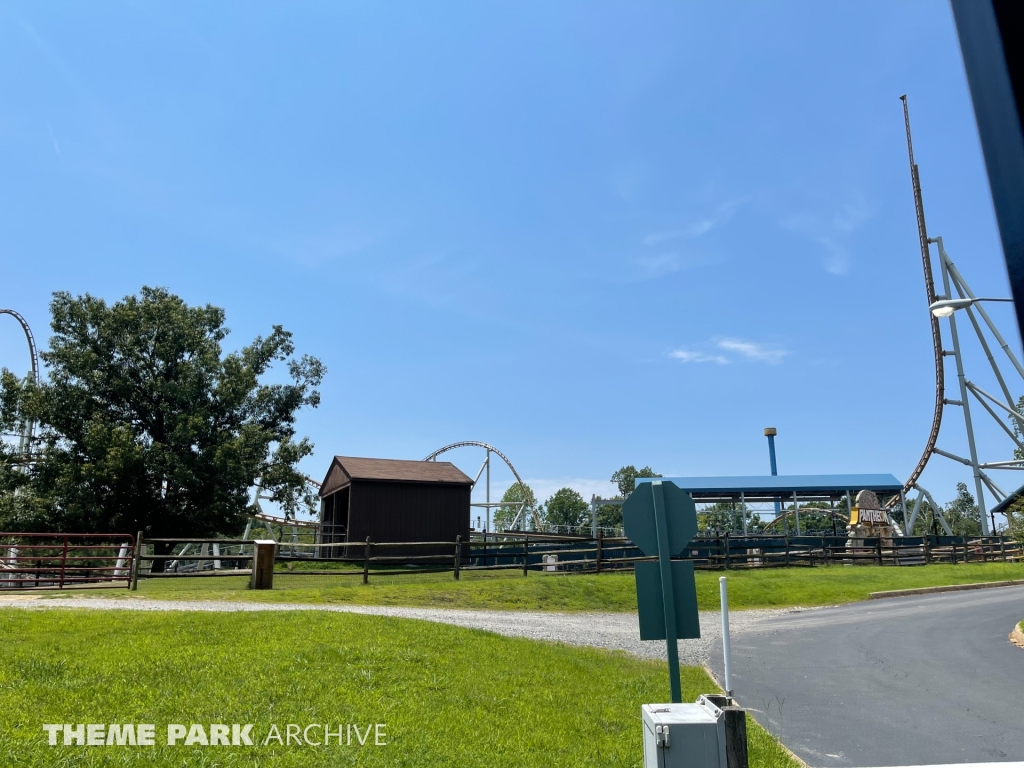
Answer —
(574, 554)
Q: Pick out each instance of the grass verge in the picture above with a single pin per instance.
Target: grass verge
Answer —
(448, 696)
(768, 588)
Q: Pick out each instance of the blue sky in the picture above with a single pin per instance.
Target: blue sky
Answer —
(590, 234)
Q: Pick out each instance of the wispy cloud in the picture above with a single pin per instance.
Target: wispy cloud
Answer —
(753, 351)
(56, 146)
(650, 267)
(832, 232)
(680, 255)
(316, 249)
(728, 350)
(690, 356)
(697, 228)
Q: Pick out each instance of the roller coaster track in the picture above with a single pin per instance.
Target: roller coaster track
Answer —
(476, 444)
(29, 432)
(262, 516)
(929, 284)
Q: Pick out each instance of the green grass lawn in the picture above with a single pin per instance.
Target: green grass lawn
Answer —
(448, 696)
(775, 587)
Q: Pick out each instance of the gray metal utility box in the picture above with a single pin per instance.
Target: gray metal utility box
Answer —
(695, 735)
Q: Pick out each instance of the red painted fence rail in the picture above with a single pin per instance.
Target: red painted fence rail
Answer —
(65, 560)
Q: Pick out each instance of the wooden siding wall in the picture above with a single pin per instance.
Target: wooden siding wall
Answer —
(408, 511)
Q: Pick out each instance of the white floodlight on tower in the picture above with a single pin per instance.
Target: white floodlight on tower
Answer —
(945, 307)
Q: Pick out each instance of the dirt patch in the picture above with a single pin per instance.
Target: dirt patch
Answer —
(1017, 637)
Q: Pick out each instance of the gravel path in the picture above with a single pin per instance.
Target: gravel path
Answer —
(613, 631)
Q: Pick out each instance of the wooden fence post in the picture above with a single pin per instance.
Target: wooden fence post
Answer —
(967, 552)
(878, 551)
(526, 553)
(735, 737)
(458, 554)
(787, 544)
(264, 554)
(366, 562)
(597, 560)
(725, 543)
(927, 549)
(1002, 547)
(135, 563)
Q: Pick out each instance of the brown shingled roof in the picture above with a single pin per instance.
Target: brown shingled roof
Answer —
(399, 470)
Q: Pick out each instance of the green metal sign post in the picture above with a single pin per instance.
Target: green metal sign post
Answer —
(661, 520)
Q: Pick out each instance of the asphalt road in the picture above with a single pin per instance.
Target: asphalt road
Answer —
(903, 681)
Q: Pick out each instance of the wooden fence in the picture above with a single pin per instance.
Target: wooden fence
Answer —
(569, 554)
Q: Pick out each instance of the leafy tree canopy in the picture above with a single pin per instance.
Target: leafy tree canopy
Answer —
(813, 521)
(725, 516)
(1015, 524)
(1018, 453)
(567, 508)
(145, 424)
(962, 513)
(610, 515)
(503, 516)
(625, 478)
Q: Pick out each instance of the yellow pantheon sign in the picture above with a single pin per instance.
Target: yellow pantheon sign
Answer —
(873, 516)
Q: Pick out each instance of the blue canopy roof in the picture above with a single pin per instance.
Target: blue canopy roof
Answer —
(770, 487)
(1010, 501)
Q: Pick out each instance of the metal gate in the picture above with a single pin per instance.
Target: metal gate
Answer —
(65, 560)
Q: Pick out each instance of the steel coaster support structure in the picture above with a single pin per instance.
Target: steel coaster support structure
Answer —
(922, 494)
(28, 430)
(259, 515)
(958, 295)
(524, 506)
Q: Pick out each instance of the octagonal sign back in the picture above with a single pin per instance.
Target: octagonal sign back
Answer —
(680, 515)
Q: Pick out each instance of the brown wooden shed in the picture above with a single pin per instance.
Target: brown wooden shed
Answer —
(392, 500)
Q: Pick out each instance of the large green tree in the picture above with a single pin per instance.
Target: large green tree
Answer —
(610, 515)
(962, 513)
(727, 516)
(146, 424)
(566, 508)
(625, 478)
(504, 516)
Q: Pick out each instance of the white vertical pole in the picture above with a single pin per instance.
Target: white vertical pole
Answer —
(122, 555)
(488, 489)
(743, 507)
(726, 651)
(216, 551)
(12, 560)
